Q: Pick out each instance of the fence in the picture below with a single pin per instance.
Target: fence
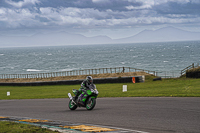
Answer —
(175, 74)
(165, 74)
(189, 67)
(169, 74)
(76, 73)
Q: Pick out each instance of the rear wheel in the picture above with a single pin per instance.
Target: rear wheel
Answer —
(90, 103)
(72, 105)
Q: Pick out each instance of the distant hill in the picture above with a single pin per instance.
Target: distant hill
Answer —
(52, 39)
(65, 38)
(162, 35)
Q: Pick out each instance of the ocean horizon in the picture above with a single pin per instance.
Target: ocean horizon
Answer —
(160, 57)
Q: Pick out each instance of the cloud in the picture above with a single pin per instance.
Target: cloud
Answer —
(191, 7)
(20, 4)
(17, 18)
(96, 13)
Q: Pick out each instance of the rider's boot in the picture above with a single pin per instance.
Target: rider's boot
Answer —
(80, 99)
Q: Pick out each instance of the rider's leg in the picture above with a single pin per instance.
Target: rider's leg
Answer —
(78, 93)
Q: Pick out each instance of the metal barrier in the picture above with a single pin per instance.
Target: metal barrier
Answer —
(169, 74)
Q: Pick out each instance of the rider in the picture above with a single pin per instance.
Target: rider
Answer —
(85, 85)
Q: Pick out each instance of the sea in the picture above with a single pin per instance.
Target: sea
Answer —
(162, 57)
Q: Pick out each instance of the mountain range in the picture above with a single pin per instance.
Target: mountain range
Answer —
(64, 38)
(165, 34)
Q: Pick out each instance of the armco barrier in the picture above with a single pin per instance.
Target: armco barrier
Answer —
(75, 82)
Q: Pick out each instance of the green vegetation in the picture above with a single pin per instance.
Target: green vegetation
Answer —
(180, 87)
(197, 69)
(11, 127)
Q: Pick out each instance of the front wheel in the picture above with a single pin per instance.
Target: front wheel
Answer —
(72, 106)
(91, 102)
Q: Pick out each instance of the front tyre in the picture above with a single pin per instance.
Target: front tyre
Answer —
(72, 106)
(91, 102)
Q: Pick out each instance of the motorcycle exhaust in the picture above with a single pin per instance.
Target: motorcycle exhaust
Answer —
(70, 96)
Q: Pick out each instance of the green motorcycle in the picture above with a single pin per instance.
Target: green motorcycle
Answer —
(88, 100)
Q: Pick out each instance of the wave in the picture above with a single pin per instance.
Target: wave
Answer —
(33, 70)
(66, 70)
(135, 56)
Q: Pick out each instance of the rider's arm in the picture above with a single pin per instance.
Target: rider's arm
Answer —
(84, 84)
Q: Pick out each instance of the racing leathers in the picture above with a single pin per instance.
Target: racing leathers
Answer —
(84, 86)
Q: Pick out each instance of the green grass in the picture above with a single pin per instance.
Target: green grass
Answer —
(181, 87)
(12, 127)
(164, 88)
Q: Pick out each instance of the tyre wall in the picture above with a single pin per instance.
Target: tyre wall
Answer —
(193, 74)
(75, 82)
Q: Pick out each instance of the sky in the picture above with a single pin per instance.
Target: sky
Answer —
(113, 18)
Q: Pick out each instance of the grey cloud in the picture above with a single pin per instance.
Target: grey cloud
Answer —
(116, 5)
(192, 8)
(22, 3)
(96, 13)
(4, 4)
(41, 19)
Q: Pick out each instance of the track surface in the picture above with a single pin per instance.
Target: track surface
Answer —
(154, 115)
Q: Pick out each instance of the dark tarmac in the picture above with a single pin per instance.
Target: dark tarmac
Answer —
(143, 114)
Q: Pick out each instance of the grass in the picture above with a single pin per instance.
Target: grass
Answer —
(164, 88)
(180, 87)
(11, 127)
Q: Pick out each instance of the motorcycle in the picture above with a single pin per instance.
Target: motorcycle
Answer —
(88, 100)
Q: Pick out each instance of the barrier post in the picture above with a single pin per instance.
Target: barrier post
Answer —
(8, 93)
(124, 88)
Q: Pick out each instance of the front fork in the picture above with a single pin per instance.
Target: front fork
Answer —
(71, 98)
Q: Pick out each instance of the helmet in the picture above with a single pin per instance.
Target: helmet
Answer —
(89, 79)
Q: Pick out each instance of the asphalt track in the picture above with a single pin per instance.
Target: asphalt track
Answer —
(154, 115)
